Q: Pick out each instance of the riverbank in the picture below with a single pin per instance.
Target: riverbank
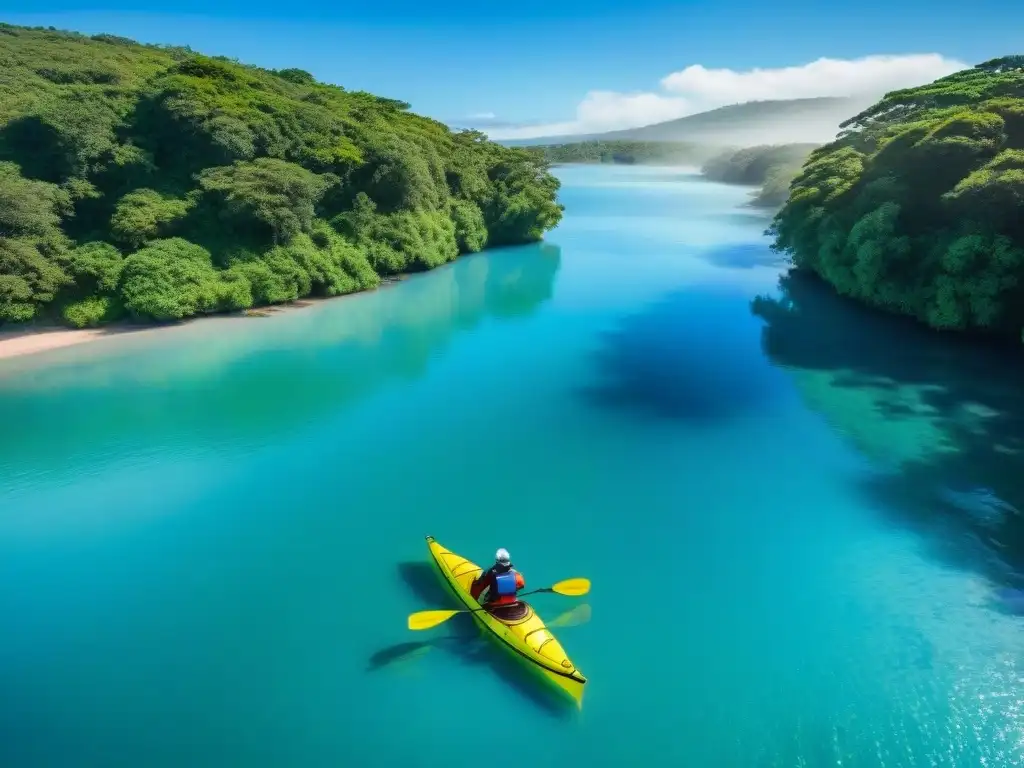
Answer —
(30, 341)
(35, 339)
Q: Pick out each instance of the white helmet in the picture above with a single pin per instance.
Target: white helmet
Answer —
(502, 557)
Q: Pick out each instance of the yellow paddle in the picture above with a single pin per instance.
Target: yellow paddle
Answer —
(429, 619)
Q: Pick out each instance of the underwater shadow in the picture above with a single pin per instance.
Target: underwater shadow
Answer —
(463, 640)
(1008, 601)
(742, 256)
(422, 581)
(941, 417)
(681, 359)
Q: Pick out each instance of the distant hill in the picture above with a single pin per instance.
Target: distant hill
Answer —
(753, 123)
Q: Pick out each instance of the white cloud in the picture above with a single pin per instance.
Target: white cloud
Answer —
(697, 89)
(481, 116)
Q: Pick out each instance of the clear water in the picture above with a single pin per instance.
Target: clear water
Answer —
(210, 537)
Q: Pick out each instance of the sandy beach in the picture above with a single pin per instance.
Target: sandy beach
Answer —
(28, 342)
(34, 339)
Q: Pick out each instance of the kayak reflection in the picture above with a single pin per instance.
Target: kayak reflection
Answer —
(574, 617)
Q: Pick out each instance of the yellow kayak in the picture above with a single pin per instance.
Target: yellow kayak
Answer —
(518, 627)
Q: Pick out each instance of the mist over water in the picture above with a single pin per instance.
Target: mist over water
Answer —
(754, 123)
(800, 520)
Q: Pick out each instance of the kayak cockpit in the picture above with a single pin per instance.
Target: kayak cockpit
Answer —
(516, 613)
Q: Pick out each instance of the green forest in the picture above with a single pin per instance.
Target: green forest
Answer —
(916, 207)
(771, 167)
(627, 152)
(156, 183)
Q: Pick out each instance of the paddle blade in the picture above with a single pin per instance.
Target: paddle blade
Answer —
(572, 587)
(428, 619)
(573, 618)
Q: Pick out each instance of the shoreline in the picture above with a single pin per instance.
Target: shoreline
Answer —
(30, 339)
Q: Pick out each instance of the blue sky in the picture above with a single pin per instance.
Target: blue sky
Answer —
(536, 61)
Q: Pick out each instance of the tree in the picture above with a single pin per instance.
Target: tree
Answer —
(169, 280)
(267, 192)
(915, 208)
(144, 215)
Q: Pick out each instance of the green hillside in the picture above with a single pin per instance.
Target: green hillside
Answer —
(771, 167)
(917, 208)
(782, 121)
(159, 183)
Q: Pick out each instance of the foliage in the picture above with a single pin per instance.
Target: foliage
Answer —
(169, 280)
(91, 311)
(772, 167)
(915, 208)
(470, 229)
(324, 264)
(95, 267)
(29, 208)
(162, 183)
(626, 152)
(277, 196)
(144, 214)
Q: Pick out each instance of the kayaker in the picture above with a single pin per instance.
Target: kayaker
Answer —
(499, 584)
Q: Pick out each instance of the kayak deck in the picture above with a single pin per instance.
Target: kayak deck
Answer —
(518, 627)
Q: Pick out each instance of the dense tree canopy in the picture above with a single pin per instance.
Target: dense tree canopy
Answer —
(627, 152)
(771, 167)
(917, 207)
(160, 183)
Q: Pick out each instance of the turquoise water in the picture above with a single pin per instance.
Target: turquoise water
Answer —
(795, 522)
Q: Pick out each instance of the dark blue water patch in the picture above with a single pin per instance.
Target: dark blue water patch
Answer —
(967, 493)
(915, 495)
(692, 356)
(743, 256)
(1007, 600)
